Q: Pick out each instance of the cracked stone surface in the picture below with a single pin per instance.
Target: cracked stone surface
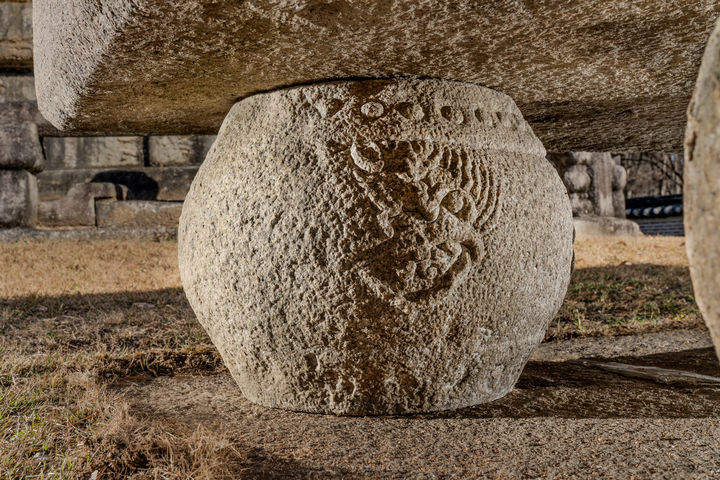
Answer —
(376, 247)
(587, 75)
(701, 201)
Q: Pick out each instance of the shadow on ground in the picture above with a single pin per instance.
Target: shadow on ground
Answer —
(573, 389)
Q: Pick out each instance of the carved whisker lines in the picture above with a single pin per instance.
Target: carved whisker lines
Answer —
(489, 204)
(424, 176)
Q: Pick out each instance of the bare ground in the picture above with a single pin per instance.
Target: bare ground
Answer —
(104, 369)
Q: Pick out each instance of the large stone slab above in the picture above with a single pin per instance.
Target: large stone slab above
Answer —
(588, 75)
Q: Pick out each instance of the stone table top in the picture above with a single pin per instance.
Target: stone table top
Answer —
(587, 74)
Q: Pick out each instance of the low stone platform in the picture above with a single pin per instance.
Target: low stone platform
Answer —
(605, 227)
(564, 419)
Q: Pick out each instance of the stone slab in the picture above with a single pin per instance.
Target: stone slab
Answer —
(20, 147)
(137, 213)
(565, 421)
(15, 35)
(143, 183)
(172, 150)
(88, 152)
(605, 227)
(587, 75)
(18, 198)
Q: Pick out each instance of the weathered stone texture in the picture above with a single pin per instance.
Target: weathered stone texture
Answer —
(143, 183)
(701, 200)
(15, 35)
(589, 75)
(138, 213)
(19, 112)
(20, 147)
(592, 180)
(18, 198)
(77, 206)
(376, 247)
(605, 227)
(619, 181)
(16, 88)
(88, 152)
(172, 150)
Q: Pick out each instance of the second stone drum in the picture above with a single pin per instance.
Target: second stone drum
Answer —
(376, 247)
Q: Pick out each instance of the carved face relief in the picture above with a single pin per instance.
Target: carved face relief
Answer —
(433, 201)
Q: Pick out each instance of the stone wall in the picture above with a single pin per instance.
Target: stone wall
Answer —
(51, 180)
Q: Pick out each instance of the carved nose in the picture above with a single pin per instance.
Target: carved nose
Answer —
(422, 202)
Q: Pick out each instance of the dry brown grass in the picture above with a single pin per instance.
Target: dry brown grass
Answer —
(72, 322)
(627, 285)
(86, 267)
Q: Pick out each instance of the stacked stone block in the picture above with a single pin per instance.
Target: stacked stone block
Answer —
(150, 177)
(87, 181)
(20, 159)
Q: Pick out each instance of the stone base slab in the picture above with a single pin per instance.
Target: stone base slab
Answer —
(605, 227)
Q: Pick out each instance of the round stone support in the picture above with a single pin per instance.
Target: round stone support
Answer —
(701, 188)
(376, 247)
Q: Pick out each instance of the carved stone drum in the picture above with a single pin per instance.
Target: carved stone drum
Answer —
(376, 247)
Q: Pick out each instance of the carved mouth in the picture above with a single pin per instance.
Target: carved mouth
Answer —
(431, 271)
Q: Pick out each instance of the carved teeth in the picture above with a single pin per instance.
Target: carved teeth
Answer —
(407, 275)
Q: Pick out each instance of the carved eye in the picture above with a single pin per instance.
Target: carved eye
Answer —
(459, 204)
